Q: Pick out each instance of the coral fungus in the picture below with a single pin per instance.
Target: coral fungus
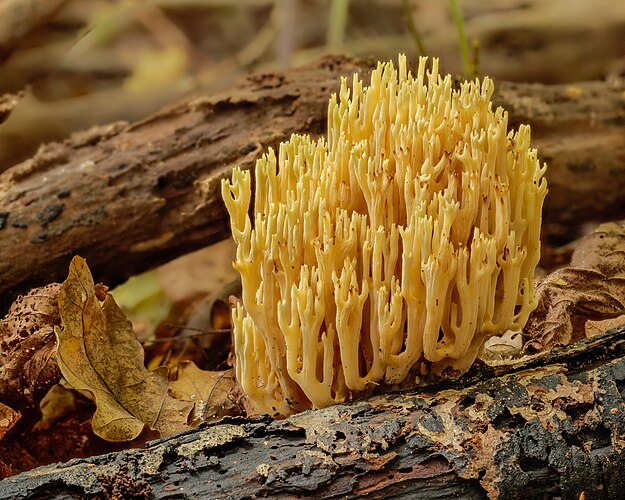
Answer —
(390, 250)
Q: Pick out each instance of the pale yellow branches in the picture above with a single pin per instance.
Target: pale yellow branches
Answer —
(390, 250)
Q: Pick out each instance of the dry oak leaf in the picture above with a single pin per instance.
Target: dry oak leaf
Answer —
(98, 352)
(567, 299)
(576, 301)
(209, 390)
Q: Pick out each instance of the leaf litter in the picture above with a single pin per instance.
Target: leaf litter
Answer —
(98, 351)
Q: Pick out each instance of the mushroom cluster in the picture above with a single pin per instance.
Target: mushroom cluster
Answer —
(390, 250)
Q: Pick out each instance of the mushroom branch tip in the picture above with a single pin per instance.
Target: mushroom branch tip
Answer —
(389, 250)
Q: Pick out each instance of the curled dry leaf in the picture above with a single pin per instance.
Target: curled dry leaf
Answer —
(573, 300)
(98, 352)
(500, 349)
(603, 250)
(568, 298)
(28, 365)
(211, 392)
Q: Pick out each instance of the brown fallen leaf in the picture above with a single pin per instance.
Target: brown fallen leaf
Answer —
(28, 365)
(59, 403)
(603, 250)
(597, 327)
(584, 299)
(210, 392)
(567, 299)
(199, 274)
(8, 418)
(98, 352)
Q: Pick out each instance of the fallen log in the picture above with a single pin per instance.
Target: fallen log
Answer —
(148, 192)
(550, 426)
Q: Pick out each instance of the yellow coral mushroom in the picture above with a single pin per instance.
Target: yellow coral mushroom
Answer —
(394, 248)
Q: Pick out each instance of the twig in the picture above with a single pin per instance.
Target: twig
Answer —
(210, 394)
(174, 338)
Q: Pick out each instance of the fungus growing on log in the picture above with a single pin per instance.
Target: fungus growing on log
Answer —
(390, 250)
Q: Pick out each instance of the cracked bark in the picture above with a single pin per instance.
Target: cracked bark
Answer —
(552, 426)
(148, 192)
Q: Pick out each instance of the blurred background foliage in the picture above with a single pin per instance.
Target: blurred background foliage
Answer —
(87, 62)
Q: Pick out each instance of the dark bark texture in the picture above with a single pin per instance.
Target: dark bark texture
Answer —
(144, 193)
(552, 426)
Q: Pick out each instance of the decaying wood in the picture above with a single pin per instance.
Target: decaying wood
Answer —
(551, 426)
(147, 192)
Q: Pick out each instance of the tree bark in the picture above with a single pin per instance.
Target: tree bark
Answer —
(131, 196)
(552, 426)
